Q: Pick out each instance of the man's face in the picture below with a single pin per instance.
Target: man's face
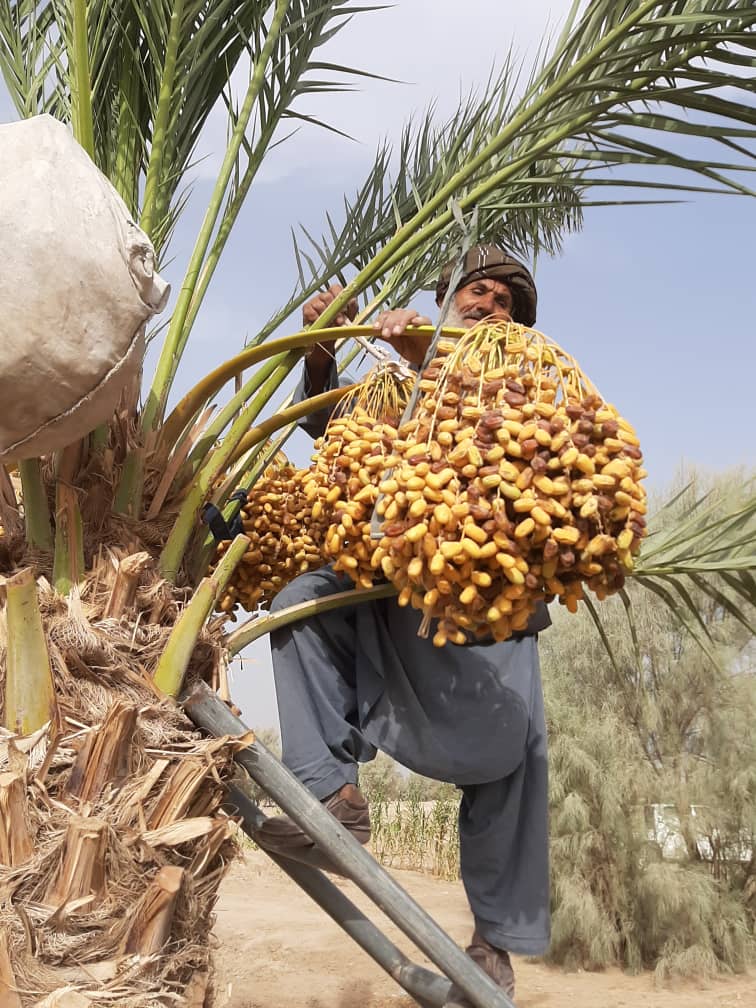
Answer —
(482, 299)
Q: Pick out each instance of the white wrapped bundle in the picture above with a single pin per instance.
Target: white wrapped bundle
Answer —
(77, 286)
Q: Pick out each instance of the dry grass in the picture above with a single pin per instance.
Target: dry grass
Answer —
(420, 835)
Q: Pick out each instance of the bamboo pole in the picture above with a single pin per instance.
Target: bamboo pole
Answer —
(348, 857)
(428, 989)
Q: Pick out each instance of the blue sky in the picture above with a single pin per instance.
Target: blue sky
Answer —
(657, 303)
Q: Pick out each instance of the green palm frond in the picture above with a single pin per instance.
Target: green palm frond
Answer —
(281, 54)
(626, 90)
(700, 562)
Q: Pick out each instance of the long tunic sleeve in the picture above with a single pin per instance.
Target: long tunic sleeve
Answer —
(315, 423)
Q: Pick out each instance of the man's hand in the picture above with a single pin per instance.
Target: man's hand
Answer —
(318, 358)
(317, 305)
(391, 326)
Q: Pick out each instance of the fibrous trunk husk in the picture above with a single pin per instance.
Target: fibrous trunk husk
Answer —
(112, 840)
(123, 595)
(80, 878)
(9, 997)
(16, 843)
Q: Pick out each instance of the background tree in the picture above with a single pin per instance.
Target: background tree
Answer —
(658, 728)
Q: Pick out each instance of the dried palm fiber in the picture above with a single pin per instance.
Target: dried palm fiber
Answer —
(350, 462)
(285, 540)
(77, 287)
(115, 845)
(517, 483)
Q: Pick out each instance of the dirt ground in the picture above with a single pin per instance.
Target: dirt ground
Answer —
(277, 949)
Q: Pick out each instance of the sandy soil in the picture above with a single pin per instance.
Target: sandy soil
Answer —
(279, 950)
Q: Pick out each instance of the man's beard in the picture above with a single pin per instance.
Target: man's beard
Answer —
(456, 320)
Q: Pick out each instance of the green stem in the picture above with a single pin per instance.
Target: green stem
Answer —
(36, 508)
(99, 438)
(261, 625)
(173, 553)
(128, 496)
(231, 409)
(177, 335)
(205, 446)
(229, 219)
(68, 565)
(160, 130)
(81, 86)
(248, 469)
(174, 661)
(29, 691)
(204, 390)
(202, 553)
(245, 475)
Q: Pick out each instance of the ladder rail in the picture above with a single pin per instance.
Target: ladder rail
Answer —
(206, 710)
(427, 988)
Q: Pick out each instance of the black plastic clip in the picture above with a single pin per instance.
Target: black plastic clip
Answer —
(220, 528)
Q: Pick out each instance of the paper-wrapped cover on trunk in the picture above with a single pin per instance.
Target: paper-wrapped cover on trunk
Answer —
(77, 286)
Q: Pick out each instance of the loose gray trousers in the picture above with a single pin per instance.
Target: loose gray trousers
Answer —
(358, 679)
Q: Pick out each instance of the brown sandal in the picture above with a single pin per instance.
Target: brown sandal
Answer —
(281, 835)
(494, 962)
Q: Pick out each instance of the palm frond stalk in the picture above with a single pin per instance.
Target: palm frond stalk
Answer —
(171, 669)
(39, 534)
(701, 555)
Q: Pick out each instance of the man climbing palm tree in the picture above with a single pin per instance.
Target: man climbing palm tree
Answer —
(358, 679)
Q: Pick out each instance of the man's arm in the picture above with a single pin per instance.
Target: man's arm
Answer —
(390, 327)
(320, 359)
(320, 373)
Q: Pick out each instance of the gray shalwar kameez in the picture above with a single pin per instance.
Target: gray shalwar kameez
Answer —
(358, 679)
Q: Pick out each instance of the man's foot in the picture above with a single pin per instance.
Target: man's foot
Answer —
(281, 834)
(493, 961)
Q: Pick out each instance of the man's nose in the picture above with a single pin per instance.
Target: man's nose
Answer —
(488, 303)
